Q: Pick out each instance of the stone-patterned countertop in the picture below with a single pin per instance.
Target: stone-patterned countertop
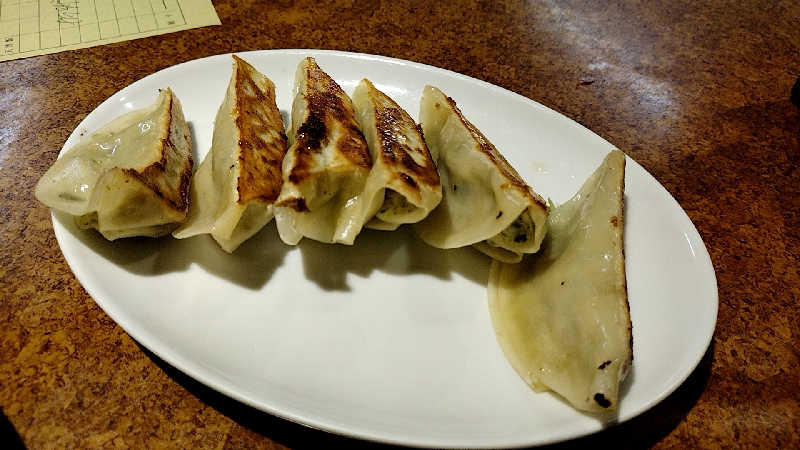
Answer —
(697, 92)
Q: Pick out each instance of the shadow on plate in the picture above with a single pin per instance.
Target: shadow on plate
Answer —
(251, 265)
(256, 260)
(642, 431)
(398, 252)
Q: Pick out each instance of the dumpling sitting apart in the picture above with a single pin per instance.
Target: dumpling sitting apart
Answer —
(239, 179)
(561, 316)
(129, 178)
(485, 203)
(326, 167)
(403, 181)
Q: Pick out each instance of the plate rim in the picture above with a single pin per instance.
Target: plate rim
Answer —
(190, 369)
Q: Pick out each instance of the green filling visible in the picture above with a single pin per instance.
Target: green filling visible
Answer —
(394, 204)
(519, 232)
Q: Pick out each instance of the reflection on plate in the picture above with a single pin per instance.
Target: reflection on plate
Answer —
(389, 340)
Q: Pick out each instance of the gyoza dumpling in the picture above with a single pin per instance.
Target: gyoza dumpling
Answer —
(562, 316)
(486, 203)
(239, 179)
(129, 178)
(403, 178)
(326, 167)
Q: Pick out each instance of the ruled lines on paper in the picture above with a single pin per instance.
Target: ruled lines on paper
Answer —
(32, 27)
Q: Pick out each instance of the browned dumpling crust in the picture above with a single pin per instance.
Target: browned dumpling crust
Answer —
(327, 164)
(237, 183)
(404, 182)
(262, 141)
(129, 178)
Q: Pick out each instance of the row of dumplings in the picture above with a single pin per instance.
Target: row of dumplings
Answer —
(561, 318)
(343, 165)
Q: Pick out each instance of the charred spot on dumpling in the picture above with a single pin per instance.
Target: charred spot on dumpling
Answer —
(311, 137)
(311, 133)
(499, 215)
(408, 180)
(614, 221)
(297, 204)
(328, 105)
(300, 205)
(606, 363)
(602, 400)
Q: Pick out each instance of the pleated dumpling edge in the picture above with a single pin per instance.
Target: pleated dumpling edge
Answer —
(233, 190)
(403, 173)
(326, 167)
(562, 316)
(128, 178)
(485, 202)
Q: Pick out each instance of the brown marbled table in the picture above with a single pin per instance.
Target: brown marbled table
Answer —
(696, 92)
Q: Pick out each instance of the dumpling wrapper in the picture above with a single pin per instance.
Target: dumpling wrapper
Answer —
(326, 167)
(485, 202)
(562, 316)
(403, 180)
(233, 191)
(130, 177)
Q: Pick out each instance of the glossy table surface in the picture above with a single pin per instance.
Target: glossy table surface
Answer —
(696, 92)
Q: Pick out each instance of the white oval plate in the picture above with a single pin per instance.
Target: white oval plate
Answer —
(389, 340)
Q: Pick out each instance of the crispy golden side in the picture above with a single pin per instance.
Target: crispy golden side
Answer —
(392, 122)
(262, 142)
(329, 109)
(169, 177)
(495, 157)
